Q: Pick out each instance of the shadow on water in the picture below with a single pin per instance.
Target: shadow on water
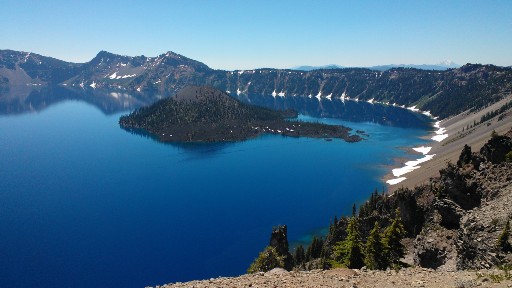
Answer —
(349, 110)
(196, 150)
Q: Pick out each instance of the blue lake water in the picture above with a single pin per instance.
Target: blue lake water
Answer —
(83, 203)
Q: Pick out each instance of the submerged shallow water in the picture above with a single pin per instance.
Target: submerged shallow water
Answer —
(85, 204)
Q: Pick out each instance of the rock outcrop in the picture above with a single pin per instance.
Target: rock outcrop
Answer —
(279, 240)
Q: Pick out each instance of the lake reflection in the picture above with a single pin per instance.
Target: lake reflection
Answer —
(24, 99)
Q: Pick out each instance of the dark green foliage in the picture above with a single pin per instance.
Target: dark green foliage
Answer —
(502, 242)
(370, 206)
(492, 114)
(205, 114)
(314, 250)
(354, 210)
(494, 134)
(508, 157)
(299, 256)
(267, 260)
(349, 252)
(374, 250)
(393, 248)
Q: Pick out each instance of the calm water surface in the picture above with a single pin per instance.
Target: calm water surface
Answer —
(85, 204)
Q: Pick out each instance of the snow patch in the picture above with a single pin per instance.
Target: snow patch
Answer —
(422, 149)
(319, 95)
(395, 181)
(439, 138)
(413, 108)
(411, 165)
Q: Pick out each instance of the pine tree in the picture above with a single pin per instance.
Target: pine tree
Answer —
(502, 242)
(393, 248)
(349, 252)
(374, 251)
(299, 255)
(314, 250)
(354, 210)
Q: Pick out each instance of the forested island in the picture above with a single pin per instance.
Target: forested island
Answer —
(205, 114)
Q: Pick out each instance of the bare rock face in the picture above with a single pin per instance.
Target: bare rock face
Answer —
(457, 188)
(279, 240)
(450, 213)
(435, 249)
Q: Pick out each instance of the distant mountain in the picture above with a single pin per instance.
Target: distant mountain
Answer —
(443, 93)
(25, 68)
(447, 64)
(309, 68)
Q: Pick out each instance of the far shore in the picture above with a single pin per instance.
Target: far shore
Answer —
(449, 149)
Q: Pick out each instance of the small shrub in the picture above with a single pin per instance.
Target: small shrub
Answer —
(267, 260)
(508, 157)
(502, 242)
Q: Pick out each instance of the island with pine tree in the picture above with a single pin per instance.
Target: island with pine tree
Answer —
(205, 114)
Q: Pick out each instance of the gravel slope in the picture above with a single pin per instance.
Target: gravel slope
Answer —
(449, 149)
(410, 277)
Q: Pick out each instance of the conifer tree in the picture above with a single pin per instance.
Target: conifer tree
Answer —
(299, 255)
(349, 252)
(314, 250)
(502, 241)
(393, 248)
(374, 250)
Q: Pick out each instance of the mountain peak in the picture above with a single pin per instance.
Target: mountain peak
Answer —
(449, 63)
(104, 53)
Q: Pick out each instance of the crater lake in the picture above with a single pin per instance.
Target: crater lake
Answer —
(84, 203)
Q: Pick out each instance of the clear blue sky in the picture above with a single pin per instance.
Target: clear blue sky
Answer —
(246, 34)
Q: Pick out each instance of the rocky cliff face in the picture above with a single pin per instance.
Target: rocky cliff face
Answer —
(444, 93)
(453, 222)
